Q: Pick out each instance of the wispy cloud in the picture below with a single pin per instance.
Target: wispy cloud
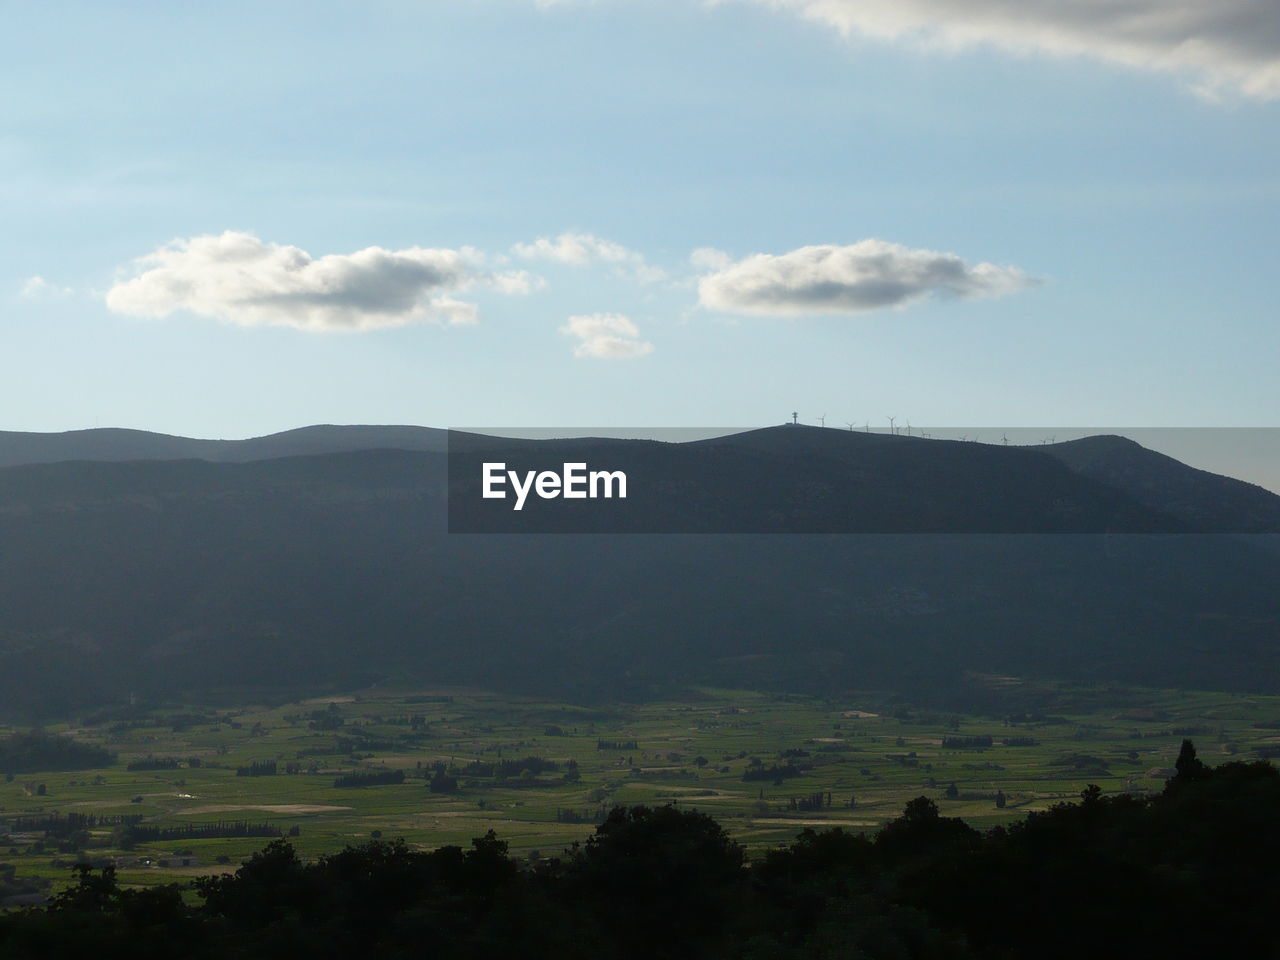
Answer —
(606, 336)
(38, 288)
(239, 278)
(709, 258)
(576, 249)
(1221, 46)
(580, 249)
(869, 275)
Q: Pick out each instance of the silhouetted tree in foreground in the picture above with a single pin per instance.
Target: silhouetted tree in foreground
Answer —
(1188, 873)
(662, 871)
(1188, 765)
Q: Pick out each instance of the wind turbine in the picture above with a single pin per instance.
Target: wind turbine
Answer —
(850, 426)
(1004, 439)
(822, 420)
(908, 426)
(891, 429)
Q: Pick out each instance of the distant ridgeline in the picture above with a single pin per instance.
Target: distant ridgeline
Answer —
(1188, 873)
(322, 558)
(806, 480)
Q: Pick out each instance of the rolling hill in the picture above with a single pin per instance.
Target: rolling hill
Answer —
(112, 445)
(177, 577)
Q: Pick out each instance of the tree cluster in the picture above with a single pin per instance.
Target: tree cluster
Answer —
(1187, 873)
(37, 750)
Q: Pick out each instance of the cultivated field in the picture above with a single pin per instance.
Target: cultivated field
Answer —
(766, 766)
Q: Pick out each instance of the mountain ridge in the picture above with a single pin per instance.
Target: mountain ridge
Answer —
(19, 448)
(312, 571)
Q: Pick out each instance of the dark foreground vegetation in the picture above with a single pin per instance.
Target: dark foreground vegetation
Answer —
(1187, 873)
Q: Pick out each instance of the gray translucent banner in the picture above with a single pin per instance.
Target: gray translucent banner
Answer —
(801, 478)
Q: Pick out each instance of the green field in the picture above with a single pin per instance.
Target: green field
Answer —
(853, 762)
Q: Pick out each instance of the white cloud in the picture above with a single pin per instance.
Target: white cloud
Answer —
(239, 278)
(648, 273)
(453, 312)
(709, 258)
(606, 336)
(38, 288)
(576, 249)
(579, 249)
(868, 275)
(1224, 46)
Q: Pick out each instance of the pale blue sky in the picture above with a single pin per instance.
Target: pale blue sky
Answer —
(1148, 212)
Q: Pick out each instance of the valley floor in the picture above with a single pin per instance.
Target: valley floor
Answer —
(542, 774)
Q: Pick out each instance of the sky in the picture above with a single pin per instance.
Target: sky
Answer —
(231, 219)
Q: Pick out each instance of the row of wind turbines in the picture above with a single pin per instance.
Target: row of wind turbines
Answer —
(896, 430)
(866, 426)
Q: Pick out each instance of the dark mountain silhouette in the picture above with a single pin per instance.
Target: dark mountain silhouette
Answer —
(178, 577)
(808, 479)
(1201, 499)
(115, 444)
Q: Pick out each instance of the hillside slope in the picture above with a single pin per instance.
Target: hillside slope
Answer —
(324, 571)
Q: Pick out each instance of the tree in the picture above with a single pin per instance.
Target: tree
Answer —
(124, 837)
(646, 862)
(90, 893)
(1189, 766)
(268, 886)
(920, 810)
(442, 782)
(921, 829)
